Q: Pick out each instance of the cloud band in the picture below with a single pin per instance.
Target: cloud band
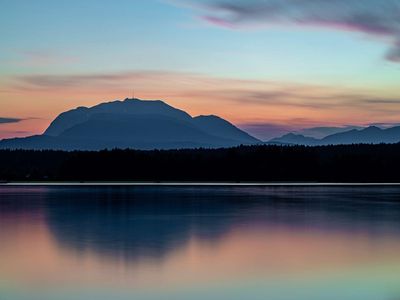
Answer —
(379, 18)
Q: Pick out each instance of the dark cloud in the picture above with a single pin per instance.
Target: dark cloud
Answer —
(9, 120)
(372, 17)
(394, 53)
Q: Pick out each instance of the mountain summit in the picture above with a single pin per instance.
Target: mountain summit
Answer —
(133, 123)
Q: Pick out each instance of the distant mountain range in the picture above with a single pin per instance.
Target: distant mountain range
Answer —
(369, 135)
(321, 132)
(133, 123)
(146, 125)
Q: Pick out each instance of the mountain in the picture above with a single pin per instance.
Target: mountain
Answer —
(321, 132)
(222, 128)
(133, 123)
(369, 135)
(131, 107)
(298, 139)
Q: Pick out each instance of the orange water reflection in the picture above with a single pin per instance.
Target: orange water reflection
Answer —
(34, 255)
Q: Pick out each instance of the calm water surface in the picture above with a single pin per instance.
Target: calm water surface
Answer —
(275, 243)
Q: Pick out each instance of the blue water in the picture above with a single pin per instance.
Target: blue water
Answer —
(232, 242)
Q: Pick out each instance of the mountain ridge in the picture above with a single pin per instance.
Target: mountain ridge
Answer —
(368, 135)
(133, 123)
(154, 124)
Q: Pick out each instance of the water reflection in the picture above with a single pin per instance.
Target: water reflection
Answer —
(134, 223)
(234, 242)
(150, 222)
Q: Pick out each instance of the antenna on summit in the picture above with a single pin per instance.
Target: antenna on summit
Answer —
(133, 94)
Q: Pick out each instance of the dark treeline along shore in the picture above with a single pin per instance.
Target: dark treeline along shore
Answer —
(347, 163)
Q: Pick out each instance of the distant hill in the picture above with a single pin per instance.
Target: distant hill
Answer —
(133, 123)
(297, 139)
(321, 132)
(369, 135)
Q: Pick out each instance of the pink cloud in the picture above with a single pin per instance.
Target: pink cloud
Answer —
(45, 58)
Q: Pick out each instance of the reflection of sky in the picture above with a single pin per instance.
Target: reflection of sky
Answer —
(101, 38)
(246, 246)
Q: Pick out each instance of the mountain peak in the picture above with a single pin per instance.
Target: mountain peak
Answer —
(372, 128)
(128, 100)
(134, 123)
(369, 135)
(128, 106)
(293, 138)
(208, 116)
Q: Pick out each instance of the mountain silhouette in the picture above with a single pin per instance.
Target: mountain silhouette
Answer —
(133, 123)
(297, 139)
(369, 135)
(321, 132)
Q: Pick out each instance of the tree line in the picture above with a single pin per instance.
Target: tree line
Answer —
(266, 163)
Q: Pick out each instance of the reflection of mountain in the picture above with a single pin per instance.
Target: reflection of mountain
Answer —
(135, 124)
(132, 223)
(136, 223)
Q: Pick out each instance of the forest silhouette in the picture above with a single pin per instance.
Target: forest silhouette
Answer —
(268, 163)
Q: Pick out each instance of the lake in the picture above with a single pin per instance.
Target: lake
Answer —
(207, 242)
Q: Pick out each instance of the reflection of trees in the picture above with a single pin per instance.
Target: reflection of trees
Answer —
(136, 222)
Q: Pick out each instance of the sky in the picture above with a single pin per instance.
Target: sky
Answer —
(268, 66)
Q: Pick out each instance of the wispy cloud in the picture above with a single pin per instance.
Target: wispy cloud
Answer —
(38, 58)
(382, 101)
(385, 125)
(191, 85)
(5, 134)
(378, 18)
(10, 120)
(108, 80)
(260, 104)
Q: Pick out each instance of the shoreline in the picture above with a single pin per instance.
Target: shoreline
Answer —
(205, 184)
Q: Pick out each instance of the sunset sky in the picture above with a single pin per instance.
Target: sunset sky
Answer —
(266, 65)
